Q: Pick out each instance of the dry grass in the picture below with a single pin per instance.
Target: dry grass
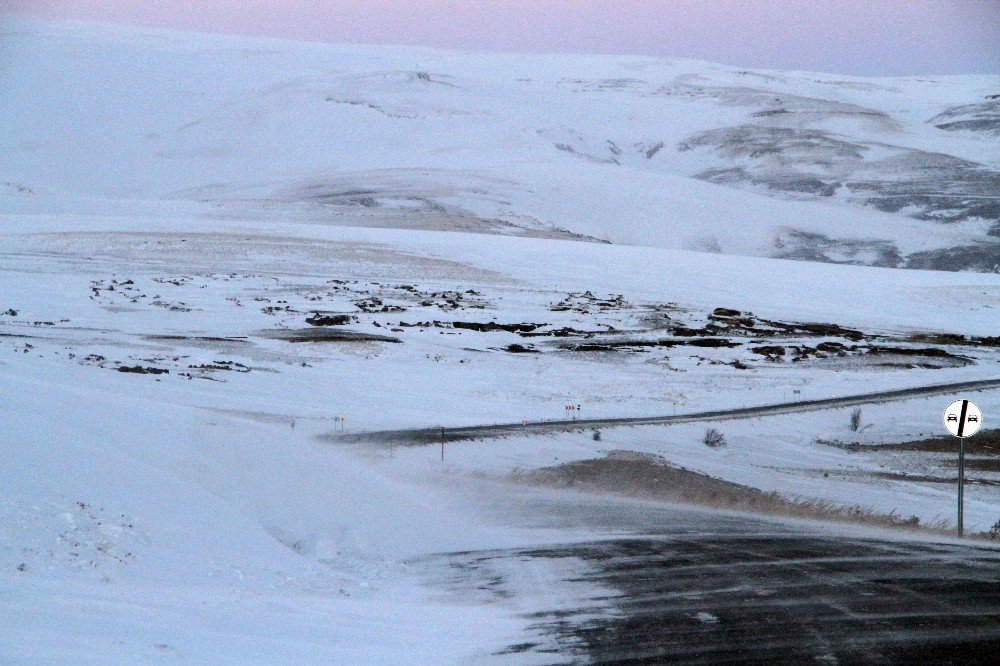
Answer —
(648, 476)
(985, 443)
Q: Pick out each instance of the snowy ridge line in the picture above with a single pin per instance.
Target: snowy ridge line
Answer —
(417, 436)
(897, 172)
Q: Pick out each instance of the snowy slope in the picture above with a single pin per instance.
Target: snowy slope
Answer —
(175, 209)
(195, 515)
(667, 153)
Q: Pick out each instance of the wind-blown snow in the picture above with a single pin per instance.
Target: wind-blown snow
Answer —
(175, 208)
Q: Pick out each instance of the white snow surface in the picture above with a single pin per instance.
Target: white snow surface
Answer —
(113, 120)
(180, 201)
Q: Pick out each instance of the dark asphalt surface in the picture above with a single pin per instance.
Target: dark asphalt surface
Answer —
(673, 585)
(754, 599)
(667, 584)
(454, 434)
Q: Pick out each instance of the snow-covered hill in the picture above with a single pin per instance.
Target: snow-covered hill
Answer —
(218, 256)
(664, 153)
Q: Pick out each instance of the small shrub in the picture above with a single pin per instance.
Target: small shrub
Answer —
(597, 435)
(714, 438)
(856, 419)
(995, 531)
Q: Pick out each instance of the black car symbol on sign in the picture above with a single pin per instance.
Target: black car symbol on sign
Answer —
(972, 419)
(952, 417)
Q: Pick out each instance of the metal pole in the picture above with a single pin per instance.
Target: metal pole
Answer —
(961, 467)
(961, 485)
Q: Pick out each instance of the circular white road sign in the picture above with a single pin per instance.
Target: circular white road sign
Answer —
(963, 418)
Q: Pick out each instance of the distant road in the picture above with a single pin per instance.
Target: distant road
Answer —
(434, 435)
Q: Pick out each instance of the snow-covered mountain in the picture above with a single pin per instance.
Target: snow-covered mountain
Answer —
(665, 153)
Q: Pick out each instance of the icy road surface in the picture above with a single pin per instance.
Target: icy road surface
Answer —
(666, 584)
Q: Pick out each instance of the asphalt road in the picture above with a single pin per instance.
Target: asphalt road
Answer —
(453, 434)
(672, 585)
(668, 584)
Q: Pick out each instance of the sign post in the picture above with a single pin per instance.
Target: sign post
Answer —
(961, 485)
(962, 419)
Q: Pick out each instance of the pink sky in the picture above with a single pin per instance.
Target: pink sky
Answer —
(849, 36)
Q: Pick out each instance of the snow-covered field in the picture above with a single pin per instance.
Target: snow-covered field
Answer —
(175, 209)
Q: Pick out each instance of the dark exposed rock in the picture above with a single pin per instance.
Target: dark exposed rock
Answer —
(328, 320)
(229, 366)
(928, 352)
(421, 324)
(583, 302)
(492, 326)
(712, 342)
(770, 351)
(983, 258)
(142, 370)
(564, 332)
(956, 339)
(606, 347)
(634, 344)
(833, 330)
(805, 163)
(809, 246)
(376, 305)
(978, 117)
(686, 332)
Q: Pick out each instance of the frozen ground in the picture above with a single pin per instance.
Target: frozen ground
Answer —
(200, 283)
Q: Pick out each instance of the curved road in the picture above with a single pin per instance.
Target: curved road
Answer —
(439, 434)
(641, 583)
(636, 582)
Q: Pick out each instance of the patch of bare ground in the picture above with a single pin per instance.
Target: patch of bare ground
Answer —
(927, 478)
(648, 476)
(326, 335)
(985, 443)
(976, 464)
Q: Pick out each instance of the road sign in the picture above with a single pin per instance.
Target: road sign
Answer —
(963, 418)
